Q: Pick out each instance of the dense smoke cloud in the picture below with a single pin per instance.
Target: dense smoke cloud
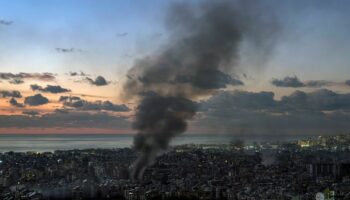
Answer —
(200, 58)
(159, 119)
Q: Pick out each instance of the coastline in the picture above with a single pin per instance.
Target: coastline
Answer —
(43, 143)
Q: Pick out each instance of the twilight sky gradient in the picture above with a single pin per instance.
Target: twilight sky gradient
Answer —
(300, 89)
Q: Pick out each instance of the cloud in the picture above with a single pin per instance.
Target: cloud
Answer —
(14, 94)
(69, 98)
(49, 88)
(99, 81)
(294, 82)
(347, 82)
(72, 101)
(64, 120)
(319, 100)
(36, 100)
(321, 111)
(78, 103)
(319, 83)
(14, 102)
(241, 100)
(77, 74)
(22, 76)
(6, 23)
(288, 82)
(16, 81)
(63, 110)
(109, 106)
(122, 34)
(68, 50)
(31, 113)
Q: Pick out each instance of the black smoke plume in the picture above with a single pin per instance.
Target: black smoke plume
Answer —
(201, 57)
(158, 119)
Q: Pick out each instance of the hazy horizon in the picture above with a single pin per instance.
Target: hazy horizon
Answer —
(53, 142)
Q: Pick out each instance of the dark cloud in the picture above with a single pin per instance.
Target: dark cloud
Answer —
(75, 102)
(68, 98)
(77, 74)
(36, 100)
(319, 100)
(49, 88)
(319, 83)
(31, 113)
(99, 81)
(6, 23)
(73, 73)
(318, 112)
(294, 82)
(288, 82)
(22, 76)
(35, 87)
(347, 82)
(241, 100)
(63, 110)
(14, 102)
(109, 106)
(14, 94)
(16, 81)
(78, 103)
(65, 120)
(68, 50)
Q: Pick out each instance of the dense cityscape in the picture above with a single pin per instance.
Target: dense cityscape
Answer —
(267, 170)
(174, 100)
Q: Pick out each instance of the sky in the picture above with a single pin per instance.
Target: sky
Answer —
(68, 61)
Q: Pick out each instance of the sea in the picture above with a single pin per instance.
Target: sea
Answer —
(52, 142)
